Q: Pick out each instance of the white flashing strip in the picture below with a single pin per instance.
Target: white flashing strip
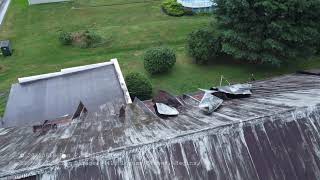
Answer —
(121, 81)
(86, 67)
(38, 77)
(62, 72)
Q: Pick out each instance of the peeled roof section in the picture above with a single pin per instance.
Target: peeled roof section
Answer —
(50, 96)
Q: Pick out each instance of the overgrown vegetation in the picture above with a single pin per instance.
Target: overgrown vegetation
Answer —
(82, 39)
(203, 46)
(139, 86)
(159, 59)
(269, 31)
(172, 8)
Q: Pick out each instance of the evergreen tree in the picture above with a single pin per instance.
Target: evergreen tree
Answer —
(269, 31)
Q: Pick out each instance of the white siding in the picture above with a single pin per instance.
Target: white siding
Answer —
(44, 1)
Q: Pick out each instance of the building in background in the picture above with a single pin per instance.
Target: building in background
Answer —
(198, 6)
(31, 2)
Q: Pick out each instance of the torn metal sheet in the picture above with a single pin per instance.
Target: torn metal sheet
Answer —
(164, 109)
(236, 89)
(209, 103)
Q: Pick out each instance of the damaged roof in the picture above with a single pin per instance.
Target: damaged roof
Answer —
(50, 96)
(273, 134)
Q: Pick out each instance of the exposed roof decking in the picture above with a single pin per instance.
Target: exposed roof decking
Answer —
(219, 143)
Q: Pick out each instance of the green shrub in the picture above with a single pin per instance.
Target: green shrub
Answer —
(139, 86)
(82, 39)
(91, 38)
(172, 8)
(65, 38)
(159, 59)
(203, 45)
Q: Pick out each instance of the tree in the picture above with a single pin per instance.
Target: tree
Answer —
(203, 45)
(138, 86)
(159, 59)
(269, 31)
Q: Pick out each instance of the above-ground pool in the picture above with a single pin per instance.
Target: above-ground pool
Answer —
(198, 5)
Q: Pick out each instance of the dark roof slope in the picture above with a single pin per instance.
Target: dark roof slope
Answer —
(50, 98)
(271, 135)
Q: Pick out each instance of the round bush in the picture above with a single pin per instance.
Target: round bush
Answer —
(158, 60)
(139, 86)
(172, 8)
(203, 45)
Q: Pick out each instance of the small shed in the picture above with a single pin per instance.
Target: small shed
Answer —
(31, 2)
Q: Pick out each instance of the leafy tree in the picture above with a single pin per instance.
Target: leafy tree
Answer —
(138, 86)
(269, 31)
(159, 59)
(203, 45)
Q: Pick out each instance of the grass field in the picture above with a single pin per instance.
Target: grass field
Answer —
(132, 26)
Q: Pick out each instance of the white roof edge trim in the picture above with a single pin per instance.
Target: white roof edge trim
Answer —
(38, 77)
(121, 81)
(86, 67)
(62, 72)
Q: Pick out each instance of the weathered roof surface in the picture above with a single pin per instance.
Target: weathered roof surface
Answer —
(274, 134)
(51, 96)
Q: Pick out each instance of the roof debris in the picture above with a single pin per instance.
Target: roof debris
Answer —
(236, 89)
(164, 109)
(209, 103)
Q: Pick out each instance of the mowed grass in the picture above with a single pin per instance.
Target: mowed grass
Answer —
(131, 26)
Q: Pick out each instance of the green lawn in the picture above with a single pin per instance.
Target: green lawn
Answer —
(132, 26)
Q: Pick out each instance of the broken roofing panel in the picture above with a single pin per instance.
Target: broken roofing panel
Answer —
(164, 109)
(209, 103)
(236, 89)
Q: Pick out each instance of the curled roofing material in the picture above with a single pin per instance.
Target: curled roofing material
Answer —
(236, 89)
(209, 103)
(164, 109)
